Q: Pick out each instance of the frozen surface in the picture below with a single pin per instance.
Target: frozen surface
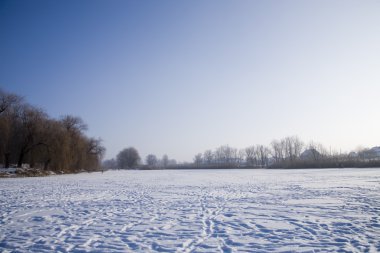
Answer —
(193, 211)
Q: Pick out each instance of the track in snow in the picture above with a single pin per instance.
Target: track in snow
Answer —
(193, 211)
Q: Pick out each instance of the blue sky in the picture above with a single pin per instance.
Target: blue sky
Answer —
(180, 77)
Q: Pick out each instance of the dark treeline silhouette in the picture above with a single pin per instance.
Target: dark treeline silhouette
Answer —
(29, 137)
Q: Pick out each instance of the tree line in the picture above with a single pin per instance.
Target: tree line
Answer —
(281, 153)
(129, 158)
(288, 152)
(29, 136)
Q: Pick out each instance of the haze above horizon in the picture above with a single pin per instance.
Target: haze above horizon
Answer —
(180, 77)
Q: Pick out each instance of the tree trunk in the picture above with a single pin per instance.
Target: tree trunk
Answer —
(46, 164)
(6, 157)
(20, 159)
(32, 162)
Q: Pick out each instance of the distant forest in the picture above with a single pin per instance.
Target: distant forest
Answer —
(289, 152)
(30, 138)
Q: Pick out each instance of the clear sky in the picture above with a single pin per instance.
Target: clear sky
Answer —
(180, 77)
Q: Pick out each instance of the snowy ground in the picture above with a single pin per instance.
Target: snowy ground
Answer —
(193, 211)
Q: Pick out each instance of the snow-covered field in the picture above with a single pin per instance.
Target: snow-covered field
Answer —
(193, 211)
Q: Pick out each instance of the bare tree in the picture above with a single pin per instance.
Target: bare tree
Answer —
(316, 151)
(95, 153)
(10, 106)
(298, 146)
(7, 100)
(128, 158)
(219, 156)
(151, 160)
(278, 151)
(73, 124)
(165, 161)
(208, 157)
(95, 147)
(293, 147)
(28, 135)
(226, 155)
(250, 155)
(262, 155)
(198, 159)
(29, 132)
(241, 157)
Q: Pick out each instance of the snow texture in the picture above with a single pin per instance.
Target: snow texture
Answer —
(327, 210)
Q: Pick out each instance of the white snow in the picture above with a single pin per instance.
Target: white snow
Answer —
(193, 211)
